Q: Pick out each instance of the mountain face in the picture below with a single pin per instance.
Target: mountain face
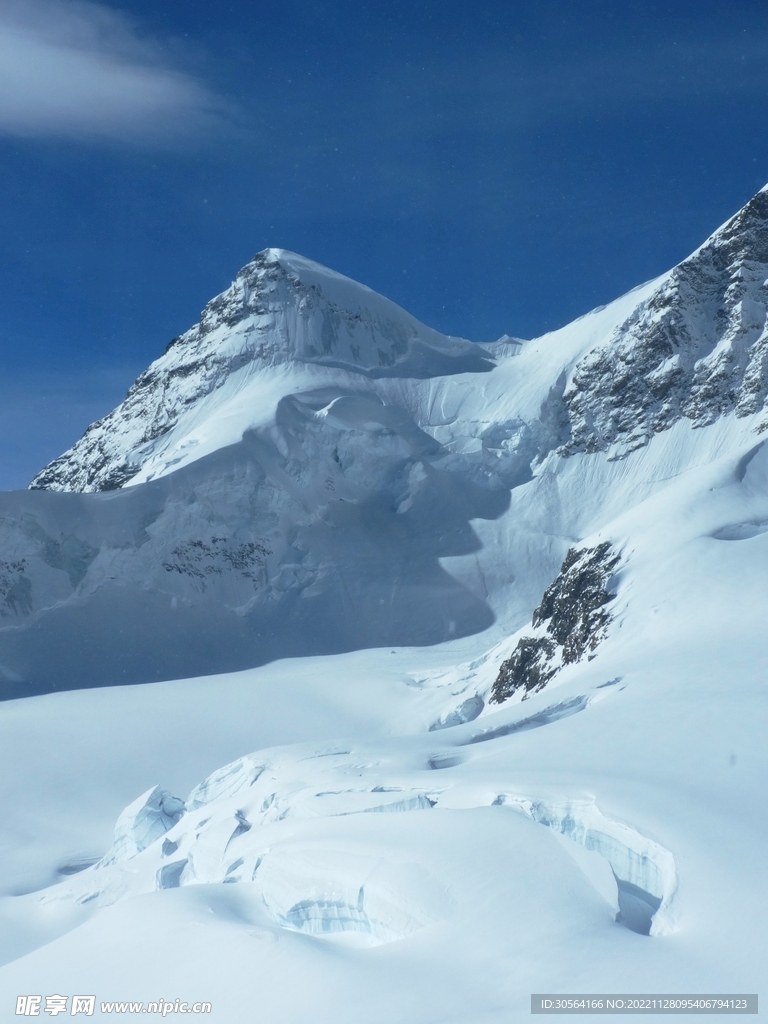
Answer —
(309, 470)
(697, 348)
(281, 309)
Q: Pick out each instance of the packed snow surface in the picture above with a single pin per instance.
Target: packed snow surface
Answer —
(444, 664)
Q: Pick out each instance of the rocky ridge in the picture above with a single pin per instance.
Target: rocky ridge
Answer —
(696, 349)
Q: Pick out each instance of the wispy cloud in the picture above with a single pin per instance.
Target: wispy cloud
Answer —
(77, 69)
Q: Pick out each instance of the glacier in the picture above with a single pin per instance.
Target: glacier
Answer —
(351, 671)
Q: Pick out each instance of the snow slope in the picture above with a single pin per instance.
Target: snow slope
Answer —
(391, 833)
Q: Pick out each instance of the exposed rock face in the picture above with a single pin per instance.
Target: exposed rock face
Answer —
(570, 621)
(698, 348)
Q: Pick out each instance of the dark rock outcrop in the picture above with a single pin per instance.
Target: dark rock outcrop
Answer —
(571, 621)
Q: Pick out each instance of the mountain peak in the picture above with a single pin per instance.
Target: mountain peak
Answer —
(302, 310)
(281, 310)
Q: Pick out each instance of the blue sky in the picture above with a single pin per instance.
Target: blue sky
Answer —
(497, 167)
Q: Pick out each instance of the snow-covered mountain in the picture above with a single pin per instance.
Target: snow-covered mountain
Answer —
(313, 470)
(279, 501)
(491, 623)
(695, 346)
(280, 311)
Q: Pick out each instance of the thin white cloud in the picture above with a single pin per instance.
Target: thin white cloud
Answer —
(74, 69)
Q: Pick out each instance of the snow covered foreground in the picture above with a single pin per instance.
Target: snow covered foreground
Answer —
(366, 835)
